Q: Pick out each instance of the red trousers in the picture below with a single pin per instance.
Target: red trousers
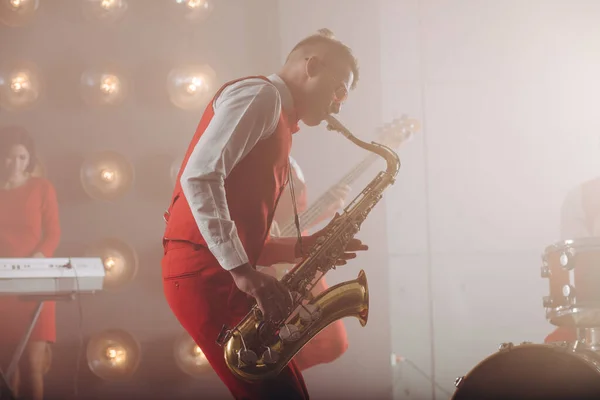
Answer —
(203, 297)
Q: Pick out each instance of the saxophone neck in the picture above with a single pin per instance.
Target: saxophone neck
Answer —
(391, 158)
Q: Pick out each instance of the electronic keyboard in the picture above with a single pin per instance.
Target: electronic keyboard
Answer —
(50, 276)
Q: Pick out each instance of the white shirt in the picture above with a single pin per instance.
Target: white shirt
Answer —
(245, 113)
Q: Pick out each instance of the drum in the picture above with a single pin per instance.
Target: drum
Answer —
(533, 371)
(573, 269)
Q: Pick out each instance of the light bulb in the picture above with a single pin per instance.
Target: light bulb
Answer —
(113, 355)
(190, 87)
(109, 263)
(102, 87)
(194, 10)
(189, 356)
(108, 175)
(20, 87)
(104, 10)
(17, 12)
(116, 354)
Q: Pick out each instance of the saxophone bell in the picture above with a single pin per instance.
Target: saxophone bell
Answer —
(256, 349)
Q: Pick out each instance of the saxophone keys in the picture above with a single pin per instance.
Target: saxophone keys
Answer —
(289, 333)
(248, 357)
(270, 356)
(310, 313)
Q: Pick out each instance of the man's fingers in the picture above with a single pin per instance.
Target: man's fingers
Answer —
(284, 299)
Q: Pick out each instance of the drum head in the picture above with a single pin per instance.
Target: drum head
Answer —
(533, 372)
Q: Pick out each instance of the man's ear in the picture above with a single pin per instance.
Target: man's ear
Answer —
(312, 66)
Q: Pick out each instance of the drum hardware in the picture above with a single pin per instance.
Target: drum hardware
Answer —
(458, 380)
(505, 346)
(546, 273)
(588, 338)
(572, 268)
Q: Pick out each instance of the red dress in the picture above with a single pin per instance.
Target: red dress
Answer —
(28, 224)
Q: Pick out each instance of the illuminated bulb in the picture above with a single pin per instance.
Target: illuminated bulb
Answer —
(109, 84)
(20, 82)
(108, 4)
(107, 175)
(104, 10)
(17, 12)
(102, 88)
(116, 354)
(119, 258)
(19, 87)
(194, 85)
(190, 87)
(109, 263)
(200, 358)
(195, 10)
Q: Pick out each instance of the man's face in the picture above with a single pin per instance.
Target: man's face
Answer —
(327, 88)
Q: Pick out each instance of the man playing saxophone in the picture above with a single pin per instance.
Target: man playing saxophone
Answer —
(233, 173)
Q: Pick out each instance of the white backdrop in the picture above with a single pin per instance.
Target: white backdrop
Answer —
(507, 92)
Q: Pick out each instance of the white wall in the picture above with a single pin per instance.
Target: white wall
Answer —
(507, 92)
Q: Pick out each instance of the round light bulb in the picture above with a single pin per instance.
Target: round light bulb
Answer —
(104, 10)
(102, 87)
(194, 10)
(20, 87)
(17, 12)
(108, 175)
(116, 354)
(190, 87)
(109, 263)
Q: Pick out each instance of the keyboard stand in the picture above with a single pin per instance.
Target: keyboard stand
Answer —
(6, 392)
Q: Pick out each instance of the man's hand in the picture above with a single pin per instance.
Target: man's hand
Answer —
(38, 255)
(352, 247)
(272, 298)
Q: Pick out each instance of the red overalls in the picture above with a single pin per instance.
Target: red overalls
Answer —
(201, 294)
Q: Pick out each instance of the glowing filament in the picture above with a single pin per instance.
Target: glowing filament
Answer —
(108, 4)
(116, 355)
(108, 175)
(109, 84)
(20, 83)
(109, 263)
(194, 85)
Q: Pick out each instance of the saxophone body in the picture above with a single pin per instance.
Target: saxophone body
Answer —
(258, 349)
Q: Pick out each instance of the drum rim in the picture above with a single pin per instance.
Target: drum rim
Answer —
(589, 357)
(566, 311)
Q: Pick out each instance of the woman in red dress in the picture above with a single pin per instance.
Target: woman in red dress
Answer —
(29, 227)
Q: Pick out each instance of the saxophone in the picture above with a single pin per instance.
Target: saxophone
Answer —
(258, 349)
